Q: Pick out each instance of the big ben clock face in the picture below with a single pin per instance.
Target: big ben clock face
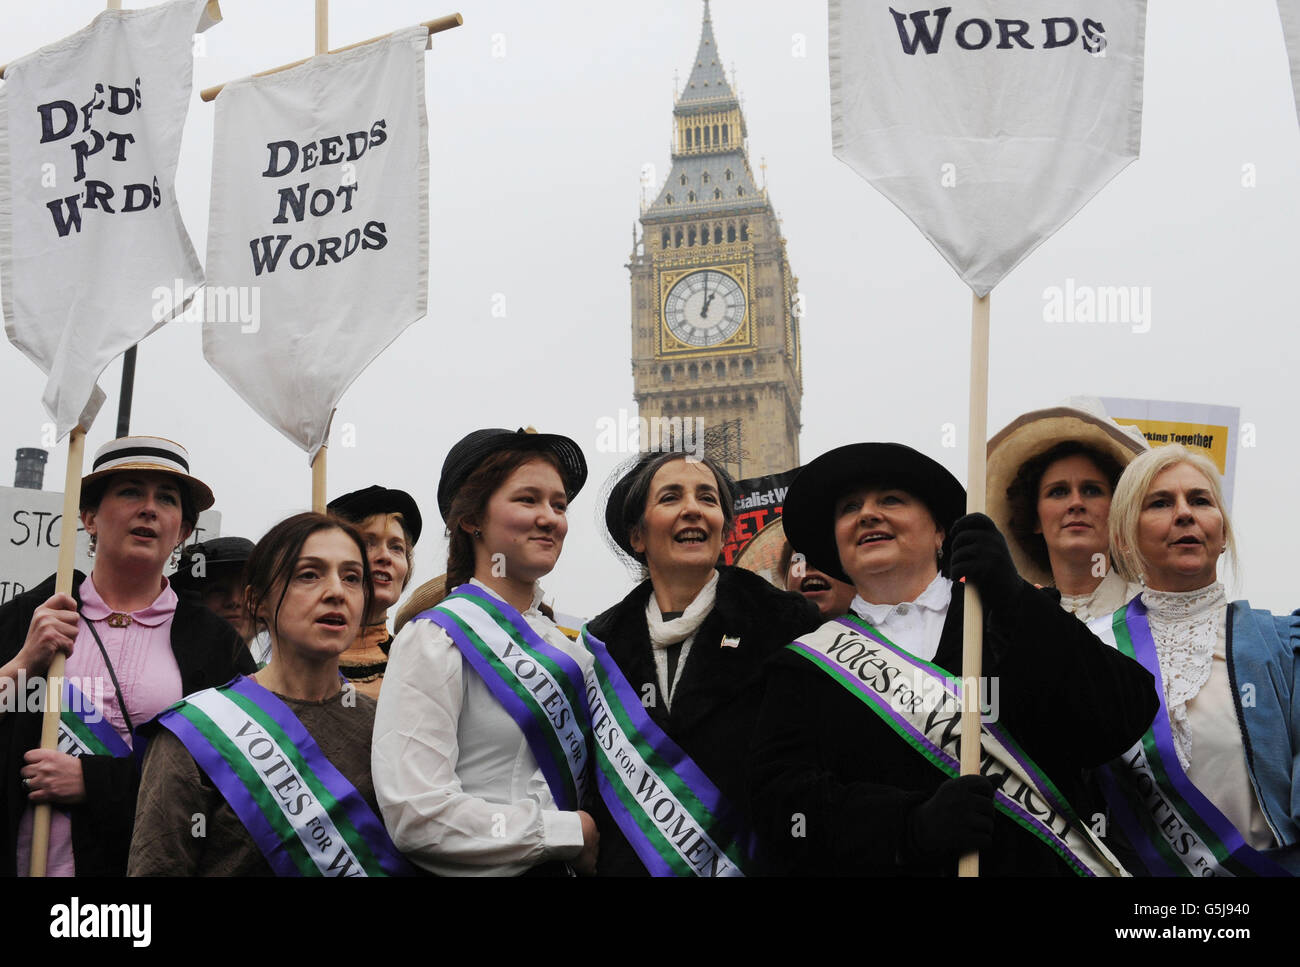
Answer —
(705, 308)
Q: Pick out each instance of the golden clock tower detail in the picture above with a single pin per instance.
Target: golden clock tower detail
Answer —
(715, 311)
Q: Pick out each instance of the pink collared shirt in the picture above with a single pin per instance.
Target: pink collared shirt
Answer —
(150, 680)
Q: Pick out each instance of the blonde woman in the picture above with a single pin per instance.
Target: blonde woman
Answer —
(1211, 787)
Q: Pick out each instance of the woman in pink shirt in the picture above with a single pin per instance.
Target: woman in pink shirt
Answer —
(133, 649)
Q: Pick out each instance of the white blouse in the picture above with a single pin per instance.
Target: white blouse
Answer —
(914, 625)
(1108, 597)
(459, 788)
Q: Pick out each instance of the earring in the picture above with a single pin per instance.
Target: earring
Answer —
(176, 556)
(939, 554)
(90, 552)
(478, 534)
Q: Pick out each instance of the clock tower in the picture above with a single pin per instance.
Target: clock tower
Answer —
(715, 306)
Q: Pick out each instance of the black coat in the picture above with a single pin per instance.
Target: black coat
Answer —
(208, 652)
(833, 786)
(715, 702)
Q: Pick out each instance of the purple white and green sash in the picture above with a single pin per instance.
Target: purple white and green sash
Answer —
(83, 730)
(673, 816)
(922, 704)
(1175, 829)
(303, 814)
(538, 685)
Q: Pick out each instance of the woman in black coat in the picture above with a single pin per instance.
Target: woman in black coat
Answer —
(680, 658)
(843, 782)
(134, 648)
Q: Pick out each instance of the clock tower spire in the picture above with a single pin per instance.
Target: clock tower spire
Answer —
(715, 309)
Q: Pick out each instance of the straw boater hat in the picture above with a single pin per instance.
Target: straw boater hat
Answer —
(809, 511)
(1035, 433)
(151, 453)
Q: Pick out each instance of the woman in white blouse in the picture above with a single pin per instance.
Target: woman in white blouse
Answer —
(1211, 788)
(477, 768)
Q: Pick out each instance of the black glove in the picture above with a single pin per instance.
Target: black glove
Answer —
(981, 556)
(957, 819)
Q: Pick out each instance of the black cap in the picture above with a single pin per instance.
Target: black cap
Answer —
(219, 552)
(809, 509)
(464, 458)
(360, 504)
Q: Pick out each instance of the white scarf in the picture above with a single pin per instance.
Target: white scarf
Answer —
(682, 628)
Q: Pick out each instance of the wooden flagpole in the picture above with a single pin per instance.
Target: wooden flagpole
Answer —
(62, 585)
(972, 641)
(434, 26)
(54, 676)
(318, 490)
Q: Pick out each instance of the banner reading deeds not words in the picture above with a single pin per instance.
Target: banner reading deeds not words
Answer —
(988, 123)
(90, 133)
(320, 210)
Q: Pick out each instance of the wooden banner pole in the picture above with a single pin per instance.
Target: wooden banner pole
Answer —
(972, 643)
(318, 488)
(434, 26)
(322, 26)
(318, 491)
(54, 676)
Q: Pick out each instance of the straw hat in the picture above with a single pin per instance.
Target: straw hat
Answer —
(151, 453)
(1032, 435)
(423, 598)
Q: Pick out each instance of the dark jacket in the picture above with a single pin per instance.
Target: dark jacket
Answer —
(834, 785)
(715, 702)
(208, 652)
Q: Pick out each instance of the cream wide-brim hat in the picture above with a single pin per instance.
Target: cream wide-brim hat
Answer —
(1032, 435)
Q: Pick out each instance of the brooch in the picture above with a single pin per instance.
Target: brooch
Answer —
(730, 642)
(118, 620)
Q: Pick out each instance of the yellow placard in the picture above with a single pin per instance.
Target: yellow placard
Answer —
(1198, 437)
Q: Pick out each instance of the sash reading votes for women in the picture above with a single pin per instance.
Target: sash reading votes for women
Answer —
(671, 813)
(83, 730)
(922, 704)
(539, 686)
(1175, 829)
(306, 818)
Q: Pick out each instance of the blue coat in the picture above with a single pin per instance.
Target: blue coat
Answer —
(1263, 653)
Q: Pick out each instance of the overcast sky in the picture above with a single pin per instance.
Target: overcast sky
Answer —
(541, 117)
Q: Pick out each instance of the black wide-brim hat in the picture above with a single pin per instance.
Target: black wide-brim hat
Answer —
(464, 458)
(620, 531)
(360, 504)
(809, 510)
(220, 554)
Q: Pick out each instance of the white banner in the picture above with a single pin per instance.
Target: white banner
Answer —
(30, 521)
(1290, 13)
(90, 131)
(319, 228)
(988, 123)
